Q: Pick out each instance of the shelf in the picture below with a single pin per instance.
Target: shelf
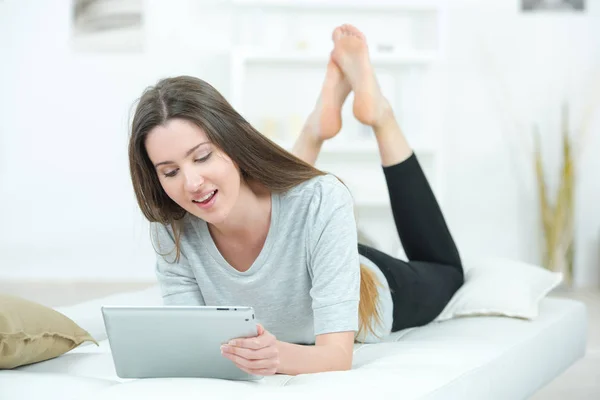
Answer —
(341, 148)
(250, 56)
(417, 23)
(358, 147)
(343, 5)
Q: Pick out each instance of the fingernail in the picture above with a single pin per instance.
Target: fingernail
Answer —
(231, 342)
(224, 348)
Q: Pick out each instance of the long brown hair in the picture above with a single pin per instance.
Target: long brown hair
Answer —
(258, 159)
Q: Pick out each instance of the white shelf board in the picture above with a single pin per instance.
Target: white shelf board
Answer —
(357, 147)
(345, 5)
(251, 56)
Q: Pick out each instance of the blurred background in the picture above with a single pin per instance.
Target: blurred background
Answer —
(473, 84)
(500, 100)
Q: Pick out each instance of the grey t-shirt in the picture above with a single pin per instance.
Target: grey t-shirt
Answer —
(306, 279)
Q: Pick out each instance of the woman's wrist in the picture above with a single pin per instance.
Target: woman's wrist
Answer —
(297, 359)
(281, 368)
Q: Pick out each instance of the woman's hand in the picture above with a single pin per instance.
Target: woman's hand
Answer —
(257, 355)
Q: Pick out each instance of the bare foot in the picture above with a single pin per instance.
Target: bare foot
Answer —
(351, 54)
(326, 119)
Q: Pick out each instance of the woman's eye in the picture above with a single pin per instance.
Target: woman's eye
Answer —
(171, 173)
(206, 157)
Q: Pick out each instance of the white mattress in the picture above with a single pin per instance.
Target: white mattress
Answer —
(467, 358)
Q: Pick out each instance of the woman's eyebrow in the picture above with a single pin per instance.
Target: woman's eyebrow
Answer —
(187, 153)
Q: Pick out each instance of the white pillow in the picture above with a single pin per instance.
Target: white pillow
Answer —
(501, 287)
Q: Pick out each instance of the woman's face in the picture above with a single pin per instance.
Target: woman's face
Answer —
(193, 172)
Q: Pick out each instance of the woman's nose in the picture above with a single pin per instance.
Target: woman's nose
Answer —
(193, 181)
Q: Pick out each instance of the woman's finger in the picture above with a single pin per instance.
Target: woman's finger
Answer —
(266, 363)
(255, 343)
(251, 354)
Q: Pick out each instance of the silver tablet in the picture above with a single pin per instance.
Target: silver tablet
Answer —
(176, 341)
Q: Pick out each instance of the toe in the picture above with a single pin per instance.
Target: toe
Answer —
(353, 30)
(337, 33)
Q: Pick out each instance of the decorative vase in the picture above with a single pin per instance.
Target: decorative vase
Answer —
(557, 209)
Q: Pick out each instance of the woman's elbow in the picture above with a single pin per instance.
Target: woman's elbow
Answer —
(341, 363)
(345, 363)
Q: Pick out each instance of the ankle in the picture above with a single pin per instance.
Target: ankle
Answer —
(386, 119)
(310, 134)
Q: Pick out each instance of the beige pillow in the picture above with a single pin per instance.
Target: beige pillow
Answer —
(31, 332)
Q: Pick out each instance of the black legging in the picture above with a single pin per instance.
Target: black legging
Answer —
(421, 287)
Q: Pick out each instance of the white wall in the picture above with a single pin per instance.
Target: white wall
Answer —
(66, 206)
(542, 59)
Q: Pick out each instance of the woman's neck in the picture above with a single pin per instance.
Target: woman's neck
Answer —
(251, 215)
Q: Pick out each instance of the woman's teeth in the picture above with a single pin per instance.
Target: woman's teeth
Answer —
(208, 196)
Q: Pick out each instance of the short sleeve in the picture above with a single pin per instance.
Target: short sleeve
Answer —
(334, 263)
(176, 279)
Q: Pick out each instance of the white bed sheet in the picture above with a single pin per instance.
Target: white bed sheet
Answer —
(466, 358)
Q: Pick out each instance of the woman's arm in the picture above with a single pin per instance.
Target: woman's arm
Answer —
(176, 279)
(265, 355)
(331, 352)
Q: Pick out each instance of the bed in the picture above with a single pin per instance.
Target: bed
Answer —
(478, 357)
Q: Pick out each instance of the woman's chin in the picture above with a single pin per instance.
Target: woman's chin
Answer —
(209, 218)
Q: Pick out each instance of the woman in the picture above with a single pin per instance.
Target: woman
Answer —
(240, 221)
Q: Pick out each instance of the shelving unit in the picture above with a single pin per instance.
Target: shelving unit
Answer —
(358, 148)
(272, 48)
(255, 56)
(333, 5)
(242, 59)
